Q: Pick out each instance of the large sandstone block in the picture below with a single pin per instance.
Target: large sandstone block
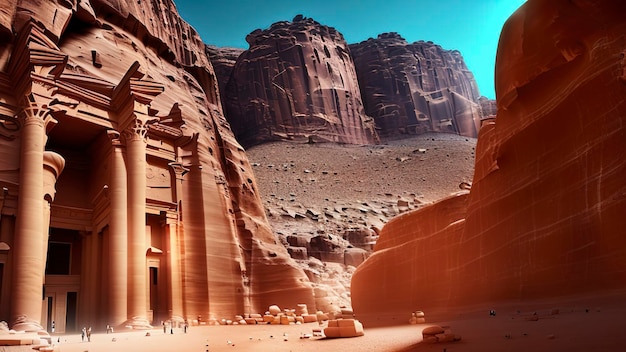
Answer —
(344, 328)
(548, 182)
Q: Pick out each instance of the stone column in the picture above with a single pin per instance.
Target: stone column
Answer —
(173, 249)
(29, 247)
(53, 165)
(118, 235)
(137, 268)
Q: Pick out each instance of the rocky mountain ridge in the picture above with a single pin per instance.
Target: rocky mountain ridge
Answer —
(407, 89)
(416, 88)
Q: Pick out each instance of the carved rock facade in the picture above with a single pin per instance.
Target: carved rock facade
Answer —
(297, 80)
(544, 216)
(126, 198)
(416, 88)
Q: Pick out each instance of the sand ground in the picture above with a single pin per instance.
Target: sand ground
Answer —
(279, 338)
(591, 323)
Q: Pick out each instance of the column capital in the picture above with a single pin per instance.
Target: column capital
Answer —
(37, 112)
(138, 128)
(179, 170)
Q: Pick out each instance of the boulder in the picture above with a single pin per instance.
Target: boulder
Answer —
(343, 328)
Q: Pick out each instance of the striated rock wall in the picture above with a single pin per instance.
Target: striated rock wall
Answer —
(297, 80)
(545, 212)
(223, 61)
(416, 88)
(156, 198)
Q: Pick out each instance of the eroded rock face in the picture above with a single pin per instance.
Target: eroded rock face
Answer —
(121, 156)
(223, 60)
(297, 80)
(544, 216)
(416, 88)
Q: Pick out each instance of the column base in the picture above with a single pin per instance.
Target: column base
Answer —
(177, 321)
(22, 323)
(138, 323)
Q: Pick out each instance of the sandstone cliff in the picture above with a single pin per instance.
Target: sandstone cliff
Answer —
(223, 61)
(416, 88)
(133, 69)
(544, 216)
(297, 80)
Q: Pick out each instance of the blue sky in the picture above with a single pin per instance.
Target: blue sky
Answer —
(470, 26)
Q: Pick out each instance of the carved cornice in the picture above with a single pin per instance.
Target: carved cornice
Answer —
(163, 131)
(144, 91)
(133, 88)
(35, 57)
(169, 126)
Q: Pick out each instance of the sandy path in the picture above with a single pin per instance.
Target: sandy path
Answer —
(243, 338)
(592, 323)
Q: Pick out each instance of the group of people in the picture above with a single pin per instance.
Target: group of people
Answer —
(86, 332)
(171, 326)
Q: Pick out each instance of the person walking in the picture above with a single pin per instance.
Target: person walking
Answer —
(83, 334)
(89, 334)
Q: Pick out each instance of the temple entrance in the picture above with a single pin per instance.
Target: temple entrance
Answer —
(62, 280)
(157, 270)
(154, 291)
(70, 316)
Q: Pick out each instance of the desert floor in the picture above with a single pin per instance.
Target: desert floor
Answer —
(593, 323)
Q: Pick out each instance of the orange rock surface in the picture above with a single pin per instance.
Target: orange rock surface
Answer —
(544, 217)
(414, 88)
(297, 81)
(127, 199)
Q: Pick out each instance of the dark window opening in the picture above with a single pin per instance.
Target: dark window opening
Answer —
(59, 258)
(70, 317)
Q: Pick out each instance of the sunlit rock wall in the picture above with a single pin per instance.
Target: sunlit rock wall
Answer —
(99, 68)
(416, 88)
(544, 216)
(297, 81)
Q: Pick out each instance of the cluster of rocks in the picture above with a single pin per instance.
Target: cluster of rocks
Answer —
(277, 316)
(327, 248)
(309, 195)
(436, 333)
(417, 317)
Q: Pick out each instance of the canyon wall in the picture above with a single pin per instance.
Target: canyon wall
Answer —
(544, 215)
(223, 60)
(112, 107)
(416, 88)
(297, 81)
